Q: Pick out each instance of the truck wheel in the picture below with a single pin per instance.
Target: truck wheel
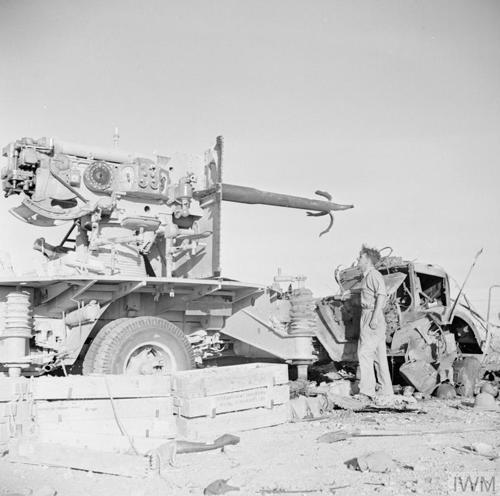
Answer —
(88, 361)
(143, 346)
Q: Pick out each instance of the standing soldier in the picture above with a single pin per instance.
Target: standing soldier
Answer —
(371, 346)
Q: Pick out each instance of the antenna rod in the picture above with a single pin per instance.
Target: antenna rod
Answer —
(450, 315)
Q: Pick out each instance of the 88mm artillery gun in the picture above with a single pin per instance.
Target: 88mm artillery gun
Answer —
(136, 286)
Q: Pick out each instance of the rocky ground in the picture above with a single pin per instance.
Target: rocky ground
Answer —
(288, 459)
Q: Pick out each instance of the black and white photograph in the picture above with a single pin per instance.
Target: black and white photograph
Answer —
(249, 247)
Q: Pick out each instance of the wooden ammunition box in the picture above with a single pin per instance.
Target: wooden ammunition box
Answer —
(215, 401)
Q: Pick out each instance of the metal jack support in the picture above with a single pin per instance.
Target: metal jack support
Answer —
(302, 368)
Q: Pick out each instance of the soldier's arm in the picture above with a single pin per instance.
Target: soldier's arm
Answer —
(380, 295)
(378, 311)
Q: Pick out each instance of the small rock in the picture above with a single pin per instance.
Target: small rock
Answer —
(333, 437)
(483, 449)
(377, 461)
(408, 390)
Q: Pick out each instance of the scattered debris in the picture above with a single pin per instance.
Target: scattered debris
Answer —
(399, 402)
(320, 401)
(334, 436)
(310, 462)
(420, 374)
(485, 401)
(324, 372)
(195, 447)
(342, 435)
(164, 455)
(347, 402)
(377, 461)
(301, 387)
(381, 404)
(481, 449)
(303, 407)
(423, 322)
(341, 387)
(445, 391)
(466, 375)
(418, 395)
(408, 390)
(489, 388)
(220, 486)
(300, 491)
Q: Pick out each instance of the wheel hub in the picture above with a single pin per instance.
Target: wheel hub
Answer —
(149, 359)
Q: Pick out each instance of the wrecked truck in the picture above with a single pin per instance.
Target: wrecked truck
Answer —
(425, 333)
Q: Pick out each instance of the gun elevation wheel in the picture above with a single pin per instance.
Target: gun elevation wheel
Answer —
(140, 346)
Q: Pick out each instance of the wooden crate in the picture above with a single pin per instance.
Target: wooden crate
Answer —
(16, 419)
(210, 406)
(209, 428)
(101, 386)
(79, 411)
(109, 443)
(215, 401)
(218, 380)
(126, 408)
(143, 427)
(14, 388)
(85, 387)
(35, 452)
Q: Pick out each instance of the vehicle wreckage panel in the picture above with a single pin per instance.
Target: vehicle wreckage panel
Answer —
(420, 326)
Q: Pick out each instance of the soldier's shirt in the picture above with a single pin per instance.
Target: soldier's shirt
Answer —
(373, 285)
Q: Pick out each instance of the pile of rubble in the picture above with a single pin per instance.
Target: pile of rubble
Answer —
(338, 389)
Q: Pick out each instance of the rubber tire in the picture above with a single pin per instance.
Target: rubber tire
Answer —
(115, 346)
(88, 361)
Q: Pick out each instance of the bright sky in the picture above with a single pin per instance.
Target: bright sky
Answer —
(391, 105)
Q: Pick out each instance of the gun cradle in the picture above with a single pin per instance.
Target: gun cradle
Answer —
(130, 215)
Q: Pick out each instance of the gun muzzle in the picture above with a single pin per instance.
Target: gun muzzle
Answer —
(243, 194)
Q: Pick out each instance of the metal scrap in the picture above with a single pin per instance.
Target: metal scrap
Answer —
(220, 486)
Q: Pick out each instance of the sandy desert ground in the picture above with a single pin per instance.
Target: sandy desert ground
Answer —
(288, 459)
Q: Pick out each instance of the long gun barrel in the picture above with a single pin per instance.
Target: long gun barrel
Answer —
(243, 194)
(61, 181)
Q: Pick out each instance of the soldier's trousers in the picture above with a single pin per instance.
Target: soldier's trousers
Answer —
(372, 356)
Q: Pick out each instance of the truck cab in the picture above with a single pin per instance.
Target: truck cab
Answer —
(417, 314)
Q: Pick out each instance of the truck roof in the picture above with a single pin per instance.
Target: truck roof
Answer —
(420, 267)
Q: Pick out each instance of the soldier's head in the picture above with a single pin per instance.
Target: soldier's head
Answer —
(368, 257)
